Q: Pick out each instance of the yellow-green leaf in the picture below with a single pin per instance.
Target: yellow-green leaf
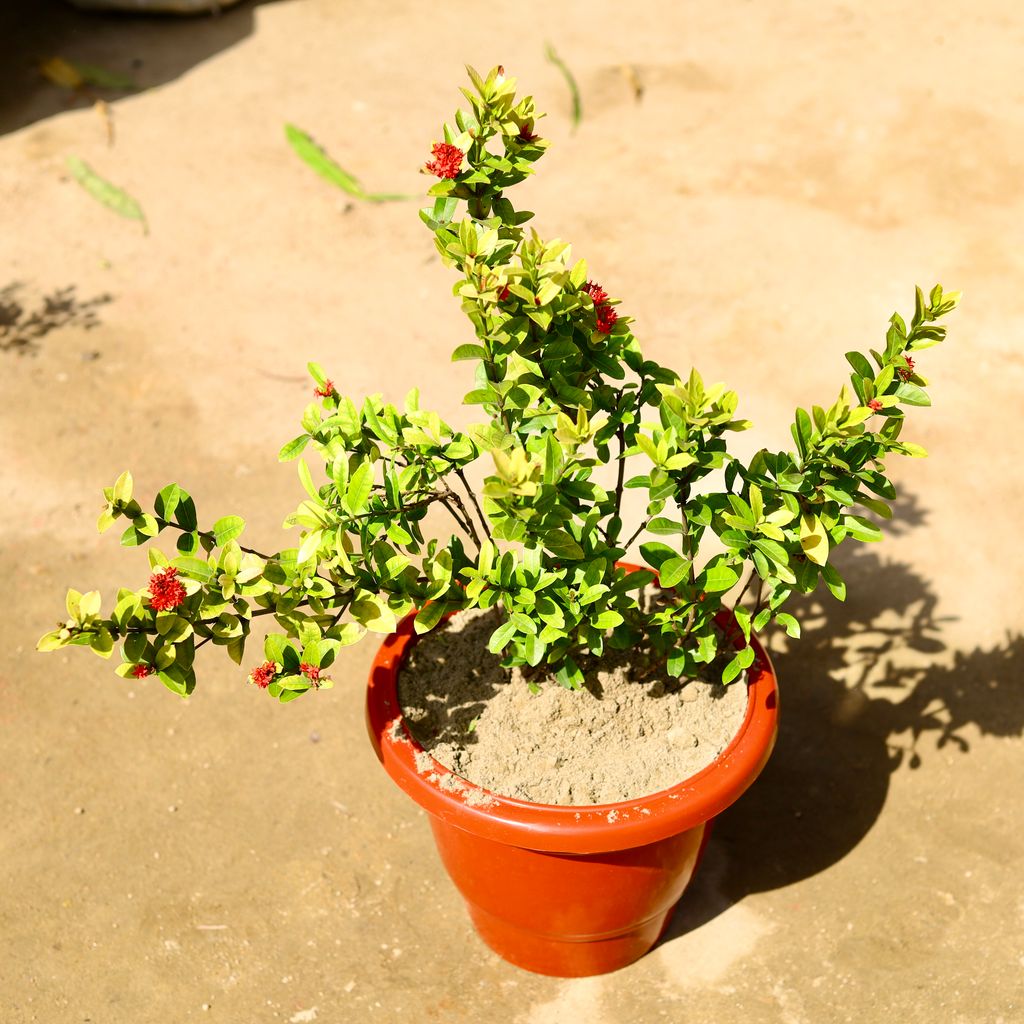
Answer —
(103, 191)
(813, 538)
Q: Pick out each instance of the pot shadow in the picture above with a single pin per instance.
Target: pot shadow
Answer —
(21, 327)
(861, 690)
(149, 49)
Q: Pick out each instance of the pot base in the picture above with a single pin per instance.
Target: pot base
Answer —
(567, 958)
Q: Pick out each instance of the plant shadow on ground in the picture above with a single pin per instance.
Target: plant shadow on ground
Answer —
(150, 49)
(21, 328)
(869, 680)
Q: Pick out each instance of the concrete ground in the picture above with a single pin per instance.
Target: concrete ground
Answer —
(788, 174)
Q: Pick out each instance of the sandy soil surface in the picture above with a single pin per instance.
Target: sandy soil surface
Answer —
(790, 171)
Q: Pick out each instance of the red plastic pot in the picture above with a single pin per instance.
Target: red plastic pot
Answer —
(569, 891)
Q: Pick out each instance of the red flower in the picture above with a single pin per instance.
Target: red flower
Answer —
(526, 132)
(503, 294)
(141, 671)
(165, 590)
(447, 160)
(324, 390)
(906, 372)
(606, 317)
(263, 675)
(596, 292)
(311, 672)
(874, 405)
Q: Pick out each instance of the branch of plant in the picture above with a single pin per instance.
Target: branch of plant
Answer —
(476, 504)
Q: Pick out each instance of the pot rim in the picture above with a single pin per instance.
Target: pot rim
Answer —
(579, 829)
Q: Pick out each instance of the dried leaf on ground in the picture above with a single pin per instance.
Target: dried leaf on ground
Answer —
(62, 73)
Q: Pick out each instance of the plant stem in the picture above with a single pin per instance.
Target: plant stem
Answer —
(640, 529)
(206, 535)
(620, 480)
(472, 497)
(466, 523)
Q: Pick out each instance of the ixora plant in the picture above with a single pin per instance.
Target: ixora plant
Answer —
(572, 416)
(564, 390)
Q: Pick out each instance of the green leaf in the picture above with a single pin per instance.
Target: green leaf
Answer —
(123, 488)
(834, 582)
(166, 503)
(570, 81)
(860, 365)
(775, 551)
(174, 681)
(862, 529)
(306, 479)
(50, 641)
(468, 352)
(309, 546)
(112, 197)
(562, 545)
(742, 659)
(92, 74)
(911, 394)
(374, 614)
(195, 568)
(359, 486)
(188, 543)
(500, 637)
(804, 429)
(427, 618)
(743, 618)
(790, 624)
(673, 571)
(227, 529)
(315, 157)
(654, 553)
(293, 449)
(717, 578)
(569, 675)
(661, 525)
(274, 647)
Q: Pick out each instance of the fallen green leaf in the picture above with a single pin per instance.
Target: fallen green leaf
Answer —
(316, 157)
(109, 195)
(570, 80)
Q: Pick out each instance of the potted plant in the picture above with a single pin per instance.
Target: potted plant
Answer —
(572, 417)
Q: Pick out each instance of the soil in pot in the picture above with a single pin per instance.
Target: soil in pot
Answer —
(632, 731)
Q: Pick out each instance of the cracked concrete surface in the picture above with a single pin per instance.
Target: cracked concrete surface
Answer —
(790, 172)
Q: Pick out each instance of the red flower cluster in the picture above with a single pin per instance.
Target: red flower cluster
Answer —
(874, 405)
(141, 671)
(906, 372)
(165, 590)
(447, 160)
(311, 672)
(263, 675)
(606, 315)
(324, 390)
